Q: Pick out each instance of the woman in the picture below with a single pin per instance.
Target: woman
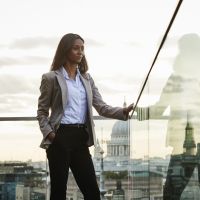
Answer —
(70, 92)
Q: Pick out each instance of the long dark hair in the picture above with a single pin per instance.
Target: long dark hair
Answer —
(63, 48)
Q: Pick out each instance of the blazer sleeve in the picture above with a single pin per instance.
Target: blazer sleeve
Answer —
(104, 109)
(44, 103)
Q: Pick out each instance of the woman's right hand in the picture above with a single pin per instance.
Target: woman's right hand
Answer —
(51, 136)
(128, 109)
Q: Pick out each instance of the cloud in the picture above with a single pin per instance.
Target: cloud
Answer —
(12, 84)
(41, 41)
(18, 95)
(34, 42)
(18, 105)
(25, 60)
(92, 42)
(134, 44)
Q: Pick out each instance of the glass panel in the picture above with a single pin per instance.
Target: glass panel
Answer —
(165, 136)
(111, 158)
(24, 169)
(22, 163)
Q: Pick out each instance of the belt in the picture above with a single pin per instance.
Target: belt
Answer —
(73, 125)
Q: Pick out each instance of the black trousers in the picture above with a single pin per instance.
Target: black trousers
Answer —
(69, 150)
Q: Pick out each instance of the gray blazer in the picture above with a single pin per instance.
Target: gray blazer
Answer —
(53, 98)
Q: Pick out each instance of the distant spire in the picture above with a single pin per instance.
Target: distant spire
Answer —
(98, 151)
(124, 105)
(189, 143)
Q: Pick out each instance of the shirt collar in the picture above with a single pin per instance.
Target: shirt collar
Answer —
(66, 75)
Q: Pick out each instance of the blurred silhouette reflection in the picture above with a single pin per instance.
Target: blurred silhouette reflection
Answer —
(182, 95)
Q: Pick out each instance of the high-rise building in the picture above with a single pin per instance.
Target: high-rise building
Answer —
(21, 181)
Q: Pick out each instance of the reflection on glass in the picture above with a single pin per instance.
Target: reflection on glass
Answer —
(181, 94)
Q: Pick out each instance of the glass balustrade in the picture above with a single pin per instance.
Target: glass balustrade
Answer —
(24, 169)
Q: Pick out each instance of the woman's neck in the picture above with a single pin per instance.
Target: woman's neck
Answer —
(71, 70)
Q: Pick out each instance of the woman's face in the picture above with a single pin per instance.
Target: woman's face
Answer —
(76, 53)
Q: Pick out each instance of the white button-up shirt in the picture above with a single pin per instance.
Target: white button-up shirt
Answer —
(76, 108)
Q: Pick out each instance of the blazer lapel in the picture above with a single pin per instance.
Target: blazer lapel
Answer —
(63, 87)
(87, 86)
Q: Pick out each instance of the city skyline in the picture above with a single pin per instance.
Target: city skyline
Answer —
(120, 43)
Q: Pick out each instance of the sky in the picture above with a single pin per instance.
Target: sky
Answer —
(121, 39)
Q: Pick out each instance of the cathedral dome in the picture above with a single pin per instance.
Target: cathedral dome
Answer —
(120, 128)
